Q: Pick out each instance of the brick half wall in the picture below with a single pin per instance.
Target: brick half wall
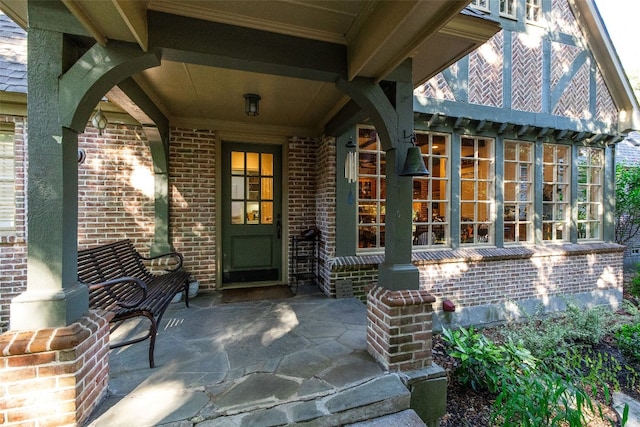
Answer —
(54, 377)
(492, 285)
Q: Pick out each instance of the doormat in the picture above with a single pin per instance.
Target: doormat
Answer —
(256, 294)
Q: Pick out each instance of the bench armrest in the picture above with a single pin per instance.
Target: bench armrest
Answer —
(168, 254)
(127, 279)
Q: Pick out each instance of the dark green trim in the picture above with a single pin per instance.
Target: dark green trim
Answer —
(93, 75)
(196, 41)
(146, 104)
(454, 221)
(346, 201)
(499, 191)
(376, 105)
(349, 116)
(429, 106)
(53, 15)
(546, 77)
(507, 69)
(573, 234)
(566, 78)
(538, 186)
(458, 82)
(609, 194)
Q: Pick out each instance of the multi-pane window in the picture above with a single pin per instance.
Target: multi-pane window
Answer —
(7, 180)
(590, 198)
(508, 8)
(251, 188)
(518, 191)
(534, 10)
(431, 193)
(476, 190)
(556, 176)
(371, 189)
(480, 4)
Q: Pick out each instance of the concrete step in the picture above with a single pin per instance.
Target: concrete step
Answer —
(379, 397)
(407, 418)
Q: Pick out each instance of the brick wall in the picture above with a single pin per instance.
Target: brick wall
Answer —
(326, 206)
(115, 187)
(13, 249)
(54, 377)
(486, 277)
(193, 209)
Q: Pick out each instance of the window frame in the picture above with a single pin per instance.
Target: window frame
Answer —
(558, 194)
(476, 4)
(370, 207)
(593, 203)
(533, 11)
(505, 5)
(518, 181)
(436, 227)
(474, 231)
(8, 193)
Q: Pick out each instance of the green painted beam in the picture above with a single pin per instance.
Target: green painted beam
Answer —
(349, 116)
(95, 73)
(214, 44)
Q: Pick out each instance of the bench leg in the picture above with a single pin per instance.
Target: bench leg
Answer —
(186, 291)
(153, 332)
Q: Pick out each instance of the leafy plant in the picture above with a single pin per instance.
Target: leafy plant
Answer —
(482, 363)
(533, 392)
(628, 338)
(627, 206)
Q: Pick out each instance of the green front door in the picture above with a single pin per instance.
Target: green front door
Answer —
(251, 213)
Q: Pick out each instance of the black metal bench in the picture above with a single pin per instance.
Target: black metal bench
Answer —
(119, 282)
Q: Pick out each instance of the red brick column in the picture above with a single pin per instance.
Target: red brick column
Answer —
(53, 377)
(399, 328)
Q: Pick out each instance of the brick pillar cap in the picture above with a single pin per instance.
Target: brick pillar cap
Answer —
(403, 297)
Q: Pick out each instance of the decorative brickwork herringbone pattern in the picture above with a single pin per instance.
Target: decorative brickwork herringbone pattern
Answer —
(437, 88)
(485, 73)
(562, 19)
(574, 101)
(605, 107)
(526, 73)
(562, 56)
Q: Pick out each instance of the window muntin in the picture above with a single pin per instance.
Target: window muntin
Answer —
(590, 200)
(431, 193)
(480, 4)
(534, 10)
(371, 189)
(508, 8)
(556, 177)
(518, 191)
(7, 180)
(251, 188)
(476, 190)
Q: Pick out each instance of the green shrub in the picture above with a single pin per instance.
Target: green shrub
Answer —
(628, 338)
(545, 337)
(482, 363)
(531, 392)
(634, 285)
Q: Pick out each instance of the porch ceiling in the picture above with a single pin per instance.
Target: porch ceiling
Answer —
(376, 35)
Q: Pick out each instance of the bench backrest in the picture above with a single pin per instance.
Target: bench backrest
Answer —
(111, 261)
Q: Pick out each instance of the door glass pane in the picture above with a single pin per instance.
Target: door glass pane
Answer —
(253, 163)
(237, 187)
(267, 213)
(237, 212)
(237, 163)
(267, 164)
(267, 188)
(253, 213)
(253, 191)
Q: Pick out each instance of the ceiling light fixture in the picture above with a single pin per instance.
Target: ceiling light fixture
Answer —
(251, 104)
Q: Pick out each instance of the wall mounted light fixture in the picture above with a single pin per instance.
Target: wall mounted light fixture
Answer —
(99, 121)
(251, 104)
(413, 163)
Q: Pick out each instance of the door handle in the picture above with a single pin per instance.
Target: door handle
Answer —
(279, 227)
